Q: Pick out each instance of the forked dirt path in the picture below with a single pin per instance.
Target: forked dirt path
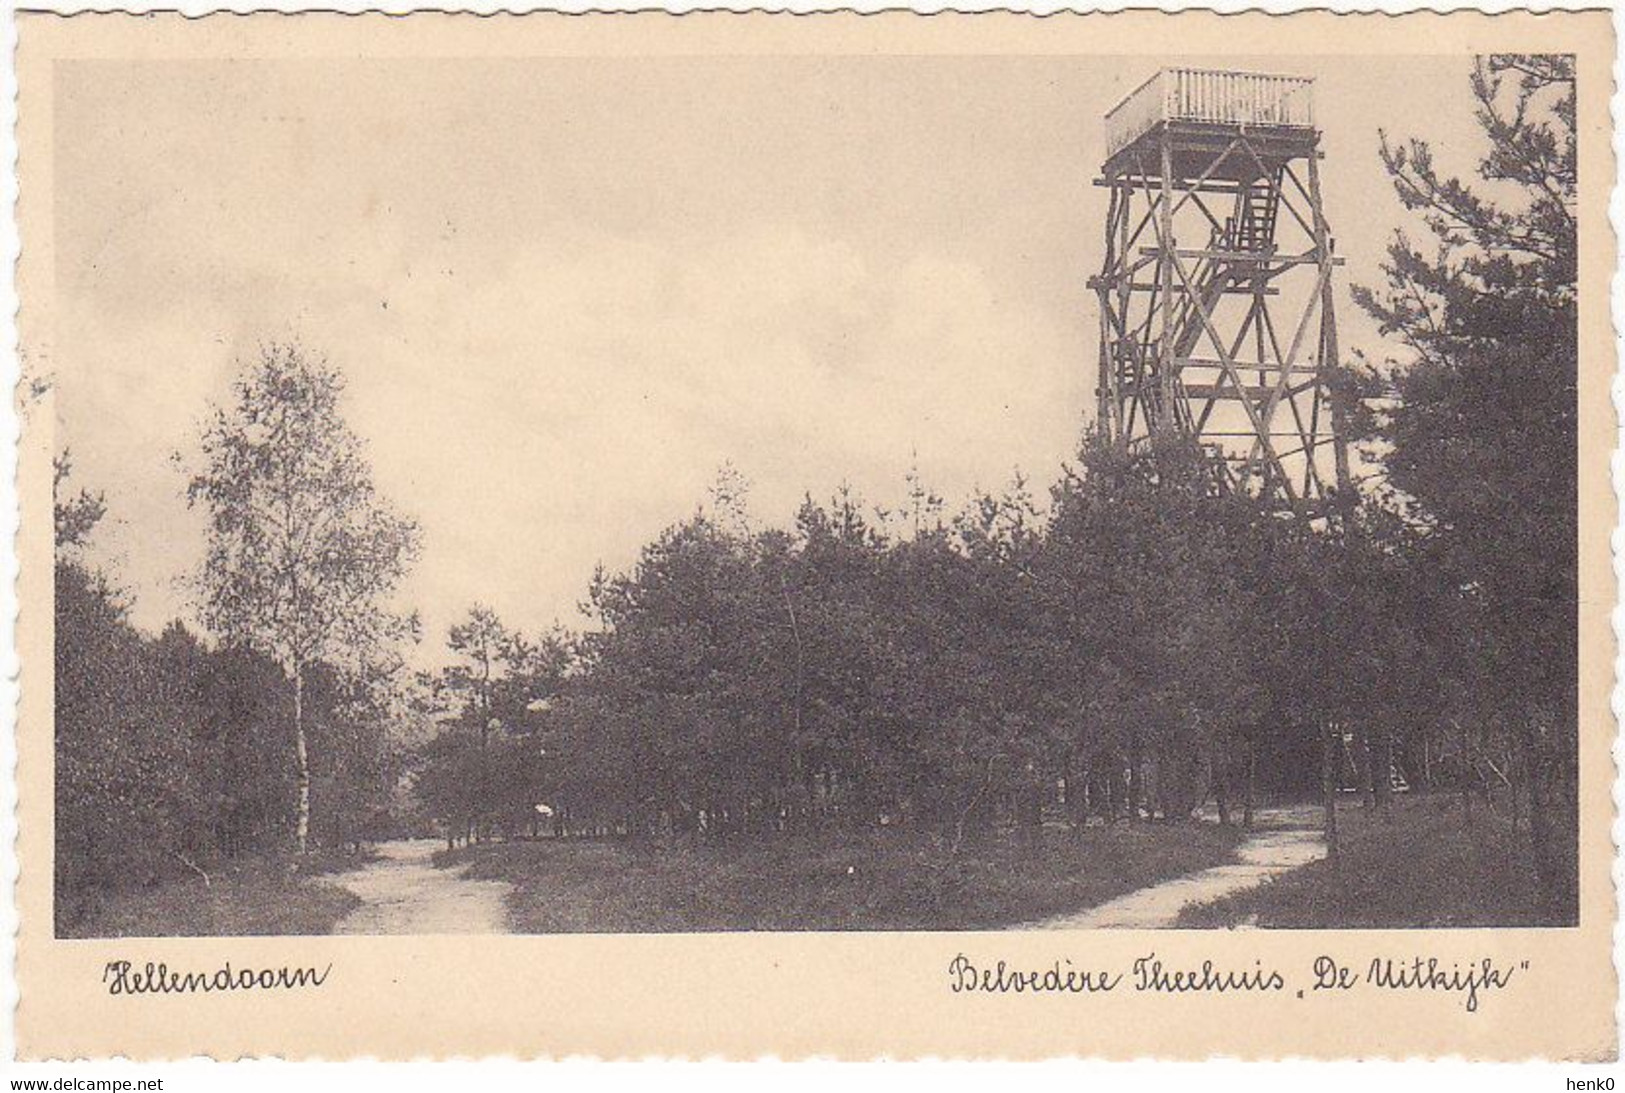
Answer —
(403, 893)
(1285, 839)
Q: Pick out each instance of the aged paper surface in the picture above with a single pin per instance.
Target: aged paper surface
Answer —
(197, 193)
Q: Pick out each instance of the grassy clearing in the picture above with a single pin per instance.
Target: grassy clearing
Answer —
(259, 896)
(885, 879)
(1422, 869)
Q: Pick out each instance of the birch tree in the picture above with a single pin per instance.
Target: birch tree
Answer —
(303, 554)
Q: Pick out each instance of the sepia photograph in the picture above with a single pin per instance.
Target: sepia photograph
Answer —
(979, 536)
(761, 494)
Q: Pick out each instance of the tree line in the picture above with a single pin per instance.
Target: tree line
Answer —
(174, 753)
(1125, 645)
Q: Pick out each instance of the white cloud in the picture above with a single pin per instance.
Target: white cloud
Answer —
(561, 409)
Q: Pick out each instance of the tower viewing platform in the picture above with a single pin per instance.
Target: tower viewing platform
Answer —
(1201, 106)
(1215, 287)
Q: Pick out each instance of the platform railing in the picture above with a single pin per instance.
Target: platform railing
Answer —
(1211, 96)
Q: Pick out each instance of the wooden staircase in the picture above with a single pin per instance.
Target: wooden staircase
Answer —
(1250, 231)
(1253, 228)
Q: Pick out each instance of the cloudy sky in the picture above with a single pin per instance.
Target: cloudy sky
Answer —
(565, 291)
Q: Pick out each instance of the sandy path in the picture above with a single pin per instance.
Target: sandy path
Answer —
(1287, 839)
(403, 893)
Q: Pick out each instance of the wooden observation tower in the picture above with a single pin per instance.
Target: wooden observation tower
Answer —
(1216, 299)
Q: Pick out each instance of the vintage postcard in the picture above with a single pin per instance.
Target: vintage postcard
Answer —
(750, 535)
